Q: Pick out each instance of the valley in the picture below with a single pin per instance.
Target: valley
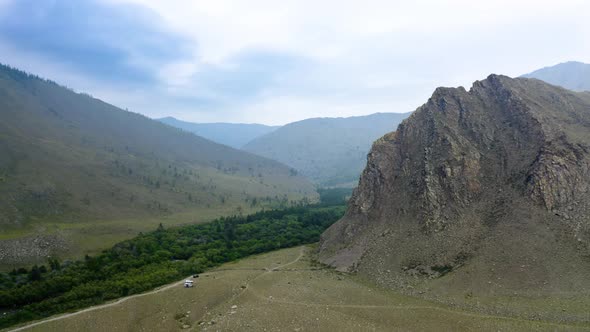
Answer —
(235, 135)
(331, 152)
(222, 165)
(286, 291)
(415, 248)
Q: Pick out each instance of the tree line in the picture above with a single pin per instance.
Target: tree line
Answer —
(154, 259)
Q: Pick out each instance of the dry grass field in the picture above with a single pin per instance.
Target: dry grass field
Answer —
(283, 291)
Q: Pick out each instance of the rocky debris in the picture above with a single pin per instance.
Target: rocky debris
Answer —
(469, 176)
(32, 249)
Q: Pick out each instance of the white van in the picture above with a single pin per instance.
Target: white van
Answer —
(188, 283)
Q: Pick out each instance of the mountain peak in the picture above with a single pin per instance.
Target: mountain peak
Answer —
(464, 179)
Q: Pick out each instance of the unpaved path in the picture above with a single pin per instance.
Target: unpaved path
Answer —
(101, 306)
(252, 288)
(157, 290)
(267, 271)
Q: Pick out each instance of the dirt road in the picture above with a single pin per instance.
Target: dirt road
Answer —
(260, 292)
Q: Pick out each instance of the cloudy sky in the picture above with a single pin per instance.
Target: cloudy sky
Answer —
(274, 62)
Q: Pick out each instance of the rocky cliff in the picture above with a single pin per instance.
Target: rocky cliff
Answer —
(475, 186)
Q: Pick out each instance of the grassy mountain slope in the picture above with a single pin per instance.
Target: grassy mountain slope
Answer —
(68, 160)
(330, 151)
(482, 193)
(235, 135)
(570, 75)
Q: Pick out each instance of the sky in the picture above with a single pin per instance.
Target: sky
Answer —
(274, 62)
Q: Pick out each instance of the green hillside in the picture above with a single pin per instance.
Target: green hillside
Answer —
(330, 151)
(78, 174)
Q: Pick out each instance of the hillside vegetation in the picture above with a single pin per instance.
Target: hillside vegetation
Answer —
(69, 163)
(235, 135)
(330, 151)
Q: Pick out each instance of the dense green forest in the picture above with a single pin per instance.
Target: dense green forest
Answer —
(153, 259)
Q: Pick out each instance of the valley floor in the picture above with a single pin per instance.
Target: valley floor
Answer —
(281, 291)
(35, 242)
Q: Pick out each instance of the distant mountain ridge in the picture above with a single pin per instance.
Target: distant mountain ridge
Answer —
(571, 75)
(329, 151)
(235, 135)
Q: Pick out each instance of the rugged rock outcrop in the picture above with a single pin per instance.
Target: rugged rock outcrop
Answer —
(497, 175)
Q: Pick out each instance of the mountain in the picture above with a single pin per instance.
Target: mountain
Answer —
(329, 151)
(235, 135)
(483, 191)
(570, 75)
(84, 174)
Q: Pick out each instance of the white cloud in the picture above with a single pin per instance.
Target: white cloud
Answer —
(177, 73)
(359, 57)
(224, 27)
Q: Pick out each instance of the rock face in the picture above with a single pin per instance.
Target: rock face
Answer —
(494, 176)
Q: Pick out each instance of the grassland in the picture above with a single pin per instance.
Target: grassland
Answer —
(286, 291)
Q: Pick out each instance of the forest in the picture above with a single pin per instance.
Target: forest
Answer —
(154, 259)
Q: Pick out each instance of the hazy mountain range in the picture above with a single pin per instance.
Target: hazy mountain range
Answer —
(235, 135)
(571, 75)
(330, 151)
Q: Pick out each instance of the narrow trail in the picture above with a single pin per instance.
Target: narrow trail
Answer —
(248, 282)
(267, 271)
(155, 291)
(98, 307)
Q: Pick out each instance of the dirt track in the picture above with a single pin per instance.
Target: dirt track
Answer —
(261, 293)
(101, 306)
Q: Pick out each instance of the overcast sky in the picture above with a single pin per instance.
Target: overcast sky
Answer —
(275, 62)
